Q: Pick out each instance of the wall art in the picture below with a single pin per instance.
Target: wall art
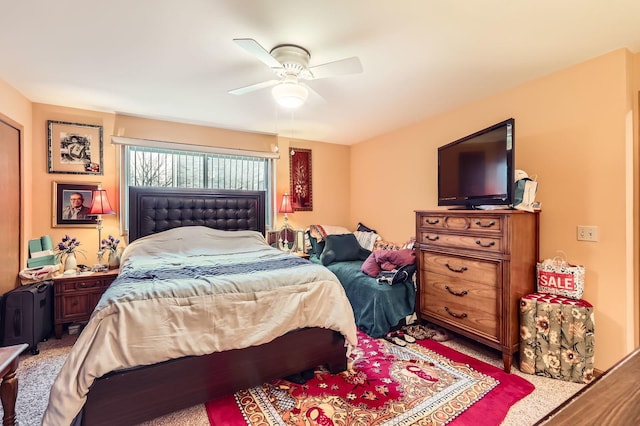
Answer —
(301, 184)
(74, 148)
(71, 202)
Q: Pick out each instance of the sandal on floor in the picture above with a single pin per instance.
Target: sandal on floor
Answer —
(391, 337)
(441, 335)
(406, 337)
(419, 332)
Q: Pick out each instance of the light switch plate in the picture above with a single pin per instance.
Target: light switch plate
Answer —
(587, 233)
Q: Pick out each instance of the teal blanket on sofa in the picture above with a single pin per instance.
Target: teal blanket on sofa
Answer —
(377, 306)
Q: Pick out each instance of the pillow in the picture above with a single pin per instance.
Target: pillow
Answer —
(366, 239)
(341, 247)
(363, 228)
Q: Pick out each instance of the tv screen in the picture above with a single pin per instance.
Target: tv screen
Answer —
(477, 170)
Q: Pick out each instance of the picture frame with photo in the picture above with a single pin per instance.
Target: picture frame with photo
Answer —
(74, 148)
(300, 179)
(71, 202)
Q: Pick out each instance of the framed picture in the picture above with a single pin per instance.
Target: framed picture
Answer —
(74, 148)
(300, 172)
(71, 202)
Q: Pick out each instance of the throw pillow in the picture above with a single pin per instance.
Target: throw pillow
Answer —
(363, 228)
(342, 247)
(366, 239)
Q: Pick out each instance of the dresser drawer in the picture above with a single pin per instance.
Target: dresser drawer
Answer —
(481, 242)
(468, 305)
(469, 269)
(476, 223)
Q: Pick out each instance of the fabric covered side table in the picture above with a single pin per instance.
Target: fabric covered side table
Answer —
(557, 337)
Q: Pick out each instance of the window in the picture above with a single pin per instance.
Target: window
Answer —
(173, 167)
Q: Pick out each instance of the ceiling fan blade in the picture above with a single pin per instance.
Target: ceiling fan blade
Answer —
(253, 47)
(342, 67)
(315, 98)
(253, 87)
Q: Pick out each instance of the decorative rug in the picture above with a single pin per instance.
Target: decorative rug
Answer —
(424, 383)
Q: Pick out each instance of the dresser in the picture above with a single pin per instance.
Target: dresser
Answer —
(474, 266)
(75, 297)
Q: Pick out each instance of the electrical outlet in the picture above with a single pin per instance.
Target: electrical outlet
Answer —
(587, 233)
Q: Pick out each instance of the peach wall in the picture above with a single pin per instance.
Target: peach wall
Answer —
(330, 168)
(135, 127)
(41, 192)
(330, 172)
(570, 131)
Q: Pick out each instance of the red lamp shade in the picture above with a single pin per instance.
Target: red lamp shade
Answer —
(286, 206)
(100, 203)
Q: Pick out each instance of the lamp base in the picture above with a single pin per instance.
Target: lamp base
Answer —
(287, 239)
(100, 267)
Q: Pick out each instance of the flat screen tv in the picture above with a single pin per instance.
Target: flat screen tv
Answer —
(477, 170)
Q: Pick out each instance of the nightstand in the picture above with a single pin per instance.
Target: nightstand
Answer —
(75, 296)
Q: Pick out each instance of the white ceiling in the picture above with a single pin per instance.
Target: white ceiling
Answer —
(176, 61)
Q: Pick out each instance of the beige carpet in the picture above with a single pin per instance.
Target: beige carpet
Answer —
(37, 372)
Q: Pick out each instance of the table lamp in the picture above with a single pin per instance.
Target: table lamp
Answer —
(99, 206)
(286, 207)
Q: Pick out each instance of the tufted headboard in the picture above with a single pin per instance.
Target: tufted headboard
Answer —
(153, 209)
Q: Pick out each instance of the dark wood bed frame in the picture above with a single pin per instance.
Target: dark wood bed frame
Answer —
(132, 396)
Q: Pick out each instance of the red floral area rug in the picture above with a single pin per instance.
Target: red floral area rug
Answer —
(424, 383)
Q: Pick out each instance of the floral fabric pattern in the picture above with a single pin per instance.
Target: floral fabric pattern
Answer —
(557, 337)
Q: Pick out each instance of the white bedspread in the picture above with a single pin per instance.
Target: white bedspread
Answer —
(218, 303)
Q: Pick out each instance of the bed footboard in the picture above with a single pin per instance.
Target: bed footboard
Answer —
(133, 396)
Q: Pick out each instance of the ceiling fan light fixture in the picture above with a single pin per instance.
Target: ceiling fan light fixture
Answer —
(290, 95)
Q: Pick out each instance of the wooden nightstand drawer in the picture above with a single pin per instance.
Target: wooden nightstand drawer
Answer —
(75, 297)
(84, 285)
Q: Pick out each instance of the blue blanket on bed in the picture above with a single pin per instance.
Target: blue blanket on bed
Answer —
(377, 306)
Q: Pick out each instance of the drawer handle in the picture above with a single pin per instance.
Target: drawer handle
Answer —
(82, 284)
(489, 244)
(430, 238)
(461, 270)
(453, 314)
(74, 302)
(432, 221)
(455, 293)
(488, 225)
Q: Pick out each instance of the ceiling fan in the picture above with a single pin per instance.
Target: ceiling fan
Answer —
(290, 63)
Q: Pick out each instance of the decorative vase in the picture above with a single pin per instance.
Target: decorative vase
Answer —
(70, 262)
(114, 259)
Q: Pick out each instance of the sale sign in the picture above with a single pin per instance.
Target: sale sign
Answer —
(560, 278)
(556, 280)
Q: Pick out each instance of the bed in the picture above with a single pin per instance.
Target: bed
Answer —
(378, 306)
(158, 342)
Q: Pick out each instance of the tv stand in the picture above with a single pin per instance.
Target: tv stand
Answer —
(474, 267)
